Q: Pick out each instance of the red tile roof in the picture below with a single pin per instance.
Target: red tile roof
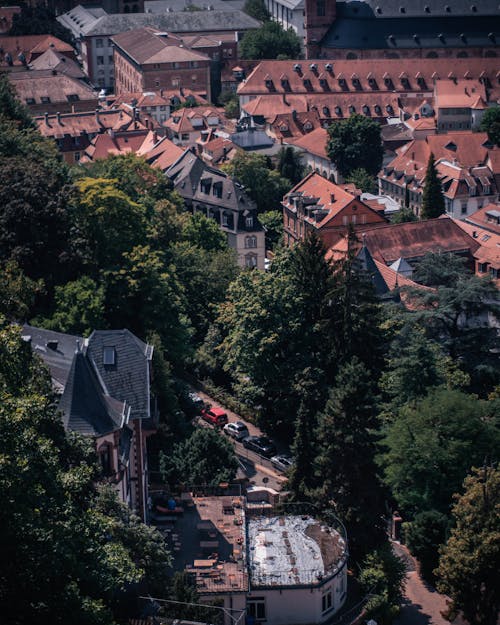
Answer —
(35, 88)
(481, 218)
(459, 93)
(413, 240)
(313, 142)
(363, 75)
(92, 122)
(164, 154)
(31, 46)
(105, 144)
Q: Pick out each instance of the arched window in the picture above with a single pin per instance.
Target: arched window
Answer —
(105, 453)
(251, 242)
(251, 261)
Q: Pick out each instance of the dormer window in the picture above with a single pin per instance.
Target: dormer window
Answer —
(249, 222)
(225, 219)
(109, 356)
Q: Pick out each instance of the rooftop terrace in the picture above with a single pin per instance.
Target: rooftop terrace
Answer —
(293, 551)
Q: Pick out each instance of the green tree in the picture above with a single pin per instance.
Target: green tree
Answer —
(264, 185)
(79, 307)
(144, 295)
(423, 536)
(403, 215)
(109, 223)
(269, 41)
(436, 269)
(290, 165)
(205, 457)
(363, 180)
(455, 315)
(490, 123)
(355, 143)
(204, 233)
(383, 576)
(430, 447)
(39, 20)
(346, 462)
(432, 197)
(10, 105)
(470, 561)
(17, 292)
(257, 9)
(272, 222)
(132, 175)
(232, 108)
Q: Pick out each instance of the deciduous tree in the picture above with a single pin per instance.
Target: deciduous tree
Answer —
(355, 143)
(270, 41)
(470, 560)
(490, 123)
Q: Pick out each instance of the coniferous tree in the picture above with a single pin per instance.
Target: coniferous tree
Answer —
(346, 464)
(432, 199)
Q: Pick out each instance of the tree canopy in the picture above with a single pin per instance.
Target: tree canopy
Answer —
(355, 143)
(432, 197)
(490, 123)
(270, 41)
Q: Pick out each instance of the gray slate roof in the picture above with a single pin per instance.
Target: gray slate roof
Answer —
(365, 260)
(85, 407)
(381, 25)
(175, 22)
(128, 379)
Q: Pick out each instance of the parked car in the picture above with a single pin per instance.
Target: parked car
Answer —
(282, 462)
(260, 444)
(214, 416)
(236, 429)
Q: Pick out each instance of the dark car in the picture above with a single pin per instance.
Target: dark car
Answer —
(261, 445)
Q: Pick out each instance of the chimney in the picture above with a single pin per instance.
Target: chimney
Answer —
(332, 197)
(59, 119)
(46, 115)
(97, 117)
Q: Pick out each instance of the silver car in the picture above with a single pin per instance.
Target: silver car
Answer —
(236, 429)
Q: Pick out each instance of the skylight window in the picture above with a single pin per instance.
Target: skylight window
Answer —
(109, 356)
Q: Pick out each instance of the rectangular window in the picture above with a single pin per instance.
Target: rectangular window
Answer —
(494, 273)
(100, 60)
(320, 8)
(98, 43)
(463, 208)
(326, 601)
(110, 58)
(256, 608)
(108, 356)
(249, 222)
(185, 136)
(77, 157)
(482, 267)
(224, 219)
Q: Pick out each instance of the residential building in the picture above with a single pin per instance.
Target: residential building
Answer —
(464, 166)
(317, 205)
(216, 195)
(289, 13)
(46, 91)
(18, 51)
(93, 29)
(282, 568)
(186, 125)
(74, 132)
(215, 150)
(7, 18)
(312, 148)
(399, 29)
(104, 386)
(487, 255)
(148, 59)
(460, 104)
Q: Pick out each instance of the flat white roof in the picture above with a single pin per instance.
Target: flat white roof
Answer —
(285, 550)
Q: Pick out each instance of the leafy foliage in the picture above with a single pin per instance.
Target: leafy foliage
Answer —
(432, 197)
(423, 536)
(38, 20)
(470, 561)
(17, 292)
(355, 143)
(431, 446)
(204, 458)
(363, 180)
(290, 165)
(490, 123)
(270, 41)
(272, 222)
(257, 9)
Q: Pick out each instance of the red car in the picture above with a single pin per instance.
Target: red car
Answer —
(214, 416)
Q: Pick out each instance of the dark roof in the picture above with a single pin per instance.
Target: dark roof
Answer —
(360, 25)
(196, 181)
(85, 407)
(365, 260)
(127, 379)
(185, 21)
(56, 350)
(252, 139)
(382, 9)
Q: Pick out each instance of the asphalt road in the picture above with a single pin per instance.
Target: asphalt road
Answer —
(258, 469)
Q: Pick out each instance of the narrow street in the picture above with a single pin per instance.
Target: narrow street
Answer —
(422, 604)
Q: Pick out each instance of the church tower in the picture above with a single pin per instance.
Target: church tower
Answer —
(319, 16)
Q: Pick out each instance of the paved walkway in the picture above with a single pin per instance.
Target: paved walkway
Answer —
(422, 604)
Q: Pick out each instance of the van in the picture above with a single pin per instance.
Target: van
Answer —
(214, 416)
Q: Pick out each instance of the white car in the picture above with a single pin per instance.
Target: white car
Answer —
(236, 429)
(282, 462)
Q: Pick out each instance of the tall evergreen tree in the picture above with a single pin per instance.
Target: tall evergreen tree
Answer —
(346, 464)
(432, 199)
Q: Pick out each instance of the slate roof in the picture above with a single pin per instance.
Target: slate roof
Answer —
(128, 379)
(177, 22)
(85, 407)
(403, 24)
(60, 88)
(365, 260)
(58, 357)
